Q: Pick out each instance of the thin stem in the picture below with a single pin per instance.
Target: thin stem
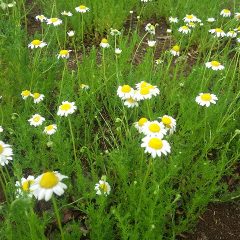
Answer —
(73, 140)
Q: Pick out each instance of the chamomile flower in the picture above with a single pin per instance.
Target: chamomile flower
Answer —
(1, 129)
(84, 86)
(6, 153)
(36, 120)
(217, 32)
(66, 108)
(190, 18)
(238, 40)
(102, 187)
(25, 94)
(140, 124)
(154, 128)
(215, 65)
(131, 102)
(205, 99)
(211, 20)
(82, 9)
(71, 33)
(40, 18)
(104, 43)
(125, 92)
(54, 21)
(64, 54)
(169, 123)
(145, 91)
(237, 29)
(173, 19)
(151, 43)
(184, 29)
(65, 13)
(150, 28)
(231, 34)
(118, 51)
(37, 97)
(23, 187)
(237, 16)
(175, 51)
(191, 25)
(225, 13)
(114, 32)
(48, 183)
(50, 129)
(37, 44)
(155, 146)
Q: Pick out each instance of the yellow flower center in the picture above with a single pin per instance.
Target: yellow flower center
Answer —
(104, 40)
(215, 63)
(50, 127)
(131, 100)
(82, 7)
(26, 93)
(65, 107)
(53, 20)
(36, 42)
(36, 95)
(206, 97)
(48, 180)
(155, 143)
(166, 120)
(64, 52)
(154, 127)
(26, 185)
(145, 90)
(218, 30)
(226, 11)
(103, 187)
(126, 89)
(36, 119)
(176, 48)
(1, 149)
(142, 121)
(185, 27)
(189, 16)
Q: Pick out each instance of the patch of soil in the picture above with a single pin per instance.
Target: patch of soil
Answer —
(220, 221)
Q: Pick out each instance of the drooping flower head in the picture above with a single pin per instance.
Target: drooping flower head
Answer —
(6, 153)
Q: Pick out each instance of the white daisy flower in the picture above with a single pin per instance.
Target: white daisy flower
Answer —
(131, 102)
(238, 40)
(140, 124)
(237, 16)
(65, 13)
(102, 187)
(145, 91)
(125, 92)
(64, 54)
(40, 18)
(84, 86)
(231, 34)
(82, 9)
(150, 28)
(1, 129)
(175, 51)
(23, 187)
(215, 65)
(104, 43)
(66, 108)
(6, 153)
(155, 146)
(205, 99)
(118, 51)
(71, 33)
(192, 24)
(225, 13)
(36, 120)
(54, 21)
(50, 129)
(154, 129)
(184, 29)
(173, 19)
(169, 123)
(211, 20)
(37, 44)
(37, 97)
(25, 94)
(114, 32)
(48, 183)
(190, 18)
(217, 32)
(151, 43)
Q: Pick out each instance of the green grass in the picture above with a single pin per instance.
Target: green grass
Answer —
(150, 198)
